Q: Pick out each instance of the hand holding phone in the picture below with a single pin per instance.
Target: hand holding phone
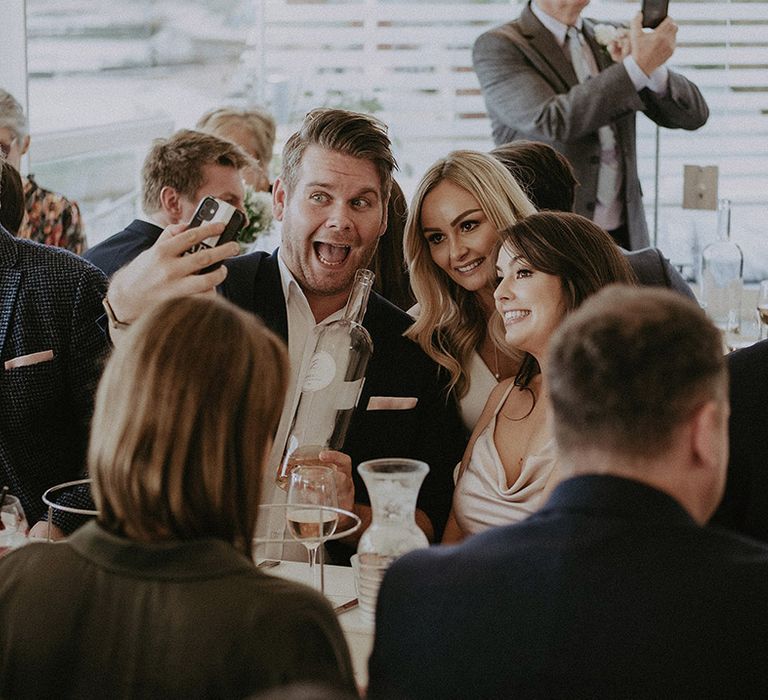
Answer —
(213, 211)
(654, 12)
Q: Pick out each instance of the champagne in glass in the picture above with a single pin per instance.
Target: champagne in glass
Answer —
(309, 514)
(13, 522)
(762, 308)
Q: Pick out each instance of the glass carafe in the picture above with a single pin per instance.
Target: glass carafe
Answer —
(393, 485)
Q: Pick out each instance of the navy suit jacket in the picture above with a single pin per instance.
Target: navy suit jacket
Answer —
(122, 247)
(432, 431)
(50, 300)
(745, 504)
(610, 590)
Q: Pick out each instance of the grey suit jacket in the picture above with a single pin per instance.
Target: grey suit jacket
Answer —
(531, 92)
(50, 300)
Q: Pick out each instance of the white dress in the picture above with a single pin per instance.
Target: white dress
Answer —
(481, 383)
(482, 499)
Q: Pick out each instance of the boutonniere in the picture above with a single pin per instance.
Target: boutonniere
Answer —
(613, 40)
(258, 208)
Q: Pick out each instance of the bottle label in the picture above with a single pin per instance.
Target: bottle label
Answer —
(349, 394)
(321, 371)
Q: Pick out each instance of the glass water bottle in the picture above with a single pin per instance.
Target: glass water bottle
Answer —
(722, 274)
(332, 384)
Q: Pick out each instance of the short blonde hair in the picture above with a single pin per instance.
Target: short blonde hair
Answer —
(258, 122)
(185, 415)
(451, 324)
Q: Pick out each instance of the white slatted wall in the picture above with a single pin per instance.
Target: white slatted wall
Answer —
(410, 62)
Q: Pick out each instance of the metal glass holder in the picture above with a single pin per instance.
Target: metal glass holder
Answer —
(52, 505)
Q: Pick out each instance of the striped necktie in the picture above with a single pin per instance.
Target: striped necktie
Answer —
(609, 176)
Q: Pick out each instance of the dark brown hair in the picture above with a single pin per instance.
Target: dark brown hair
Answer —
(353, 134)
(630, 367)
(11, 197)
(580, 253)
(178, 162)
(545, 175)
(185, 416)
(388, 262)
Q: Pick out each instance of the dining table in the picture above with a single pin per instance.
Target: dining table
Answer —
(340, 590)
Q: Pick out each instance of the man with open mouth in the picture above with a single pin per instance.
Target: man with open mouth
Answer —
(331, 199)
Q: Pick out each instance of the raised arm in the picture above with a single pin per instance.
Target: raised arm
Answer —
(524, 92)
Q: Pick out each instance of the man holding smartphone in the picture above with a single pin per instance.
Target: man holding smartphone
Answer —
(178, 172)
(547, 77)
(331, 199)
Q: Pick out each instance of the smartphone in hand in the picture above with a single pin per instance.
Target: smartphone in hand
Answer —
(654, 12)
(214, 211)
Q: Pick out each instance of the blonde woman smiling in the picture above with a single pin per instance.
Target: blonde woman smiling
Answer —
(461, 203)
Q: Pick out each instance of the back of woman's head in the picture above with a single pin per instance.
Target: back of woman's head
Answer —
(185, 415)
(259, 123)
(545, 175)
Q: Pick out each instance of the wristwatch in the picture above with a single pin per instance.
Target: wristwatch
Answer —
(114, 321)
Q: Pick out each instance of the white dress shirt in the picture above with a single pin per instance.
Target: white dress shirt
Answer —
(302, 333)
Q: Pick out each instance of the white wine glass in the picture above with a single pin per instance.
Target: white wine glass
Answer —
(13, 522)
(762, 308)
(309, 513)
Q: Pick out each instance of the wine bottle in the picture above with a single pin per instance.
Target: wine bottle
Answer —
(332, 384)
(722, 274)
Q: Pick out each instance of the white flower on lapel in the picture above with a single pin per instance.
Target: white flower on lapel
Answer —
(614, 40)
(605, 34)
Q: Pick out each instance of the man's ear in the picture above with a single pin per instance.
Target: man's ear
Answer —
(279, 197)
(709, 435)
(170, 201)
(24, 145)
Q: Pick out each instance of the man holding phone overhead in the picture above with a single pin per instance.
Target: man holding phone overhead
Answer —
(553, 76)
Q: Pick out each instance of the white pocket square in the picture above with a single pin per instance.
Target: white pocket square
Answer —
(391, 403)
(31, 359)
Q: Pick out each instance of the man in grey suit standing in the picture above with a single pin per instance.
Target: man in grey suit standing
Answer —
(545, 77)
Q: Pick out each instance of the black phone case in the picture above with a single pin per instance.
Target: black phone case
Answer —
(654, 12)
(235, 223)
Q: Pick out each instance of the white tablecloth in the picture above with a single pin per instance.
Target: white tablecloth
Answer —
(339, 589)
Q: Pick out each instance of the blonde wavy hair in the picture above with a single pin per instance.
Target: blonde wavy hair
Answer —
(451, 324)
(185, 415)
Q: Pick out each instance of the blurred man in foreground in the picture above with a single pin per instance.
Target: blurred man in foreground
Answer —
(614, 588)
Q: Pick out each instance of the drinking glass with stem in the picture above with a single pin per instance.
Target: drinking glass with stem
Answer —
(762, 308)
(309, 513)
